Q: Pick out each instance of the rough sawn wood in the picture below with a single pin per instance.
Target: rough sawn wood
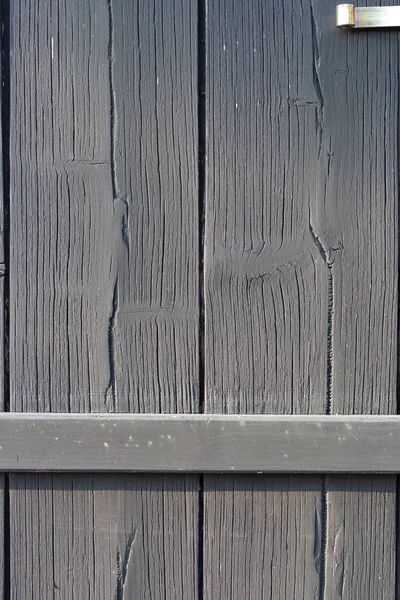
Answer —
(266, 288)
(103, 281)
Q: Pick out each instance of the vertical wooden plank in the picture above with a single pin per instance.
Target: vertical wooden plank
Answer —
(266, 289)
(155, 321)
(95, 539)
(103, 286)
(4, 131)
(263, 533)
(357, 224)
(361, 537)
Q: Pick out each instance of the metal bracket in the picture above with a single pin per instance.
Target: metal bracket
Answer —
(349, 16)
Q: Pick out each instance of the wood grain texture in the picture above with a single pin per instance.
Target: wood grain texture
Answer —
(99, 542)
(199, 443)
(156, 316)
(4, 341)
(103, 278)
(267, 288)
(357, 227)
(250, 523)
(361, 537)
(265, 342)
(104, 239)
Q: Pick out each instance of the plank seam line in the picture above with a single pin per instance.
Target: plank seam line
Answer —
(5, 267)
(5, 128)
(202, 133)
(397, 544)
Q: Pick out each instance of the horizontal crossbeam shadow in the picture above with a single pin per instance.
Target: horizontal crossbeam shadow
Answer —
(199, 443)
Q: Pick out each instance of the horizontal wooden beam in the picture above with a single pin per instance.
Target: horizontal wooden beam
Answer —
(199, 443)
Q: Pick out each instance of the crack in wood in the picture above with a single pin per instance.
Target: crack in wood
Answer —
(112, 98)
(110, 391)
(122, 566)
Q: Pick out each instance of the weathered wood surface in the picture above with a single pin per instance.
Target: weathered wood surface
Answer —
(357, 226)
(261, 544)
(103, 285)
(114, 537)
(266, 289)
(301, 270)
(4, 137)
(300, 285)
(199, 443)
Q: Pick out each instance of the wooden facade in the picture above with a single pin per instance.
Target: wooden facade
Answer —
(200, 217)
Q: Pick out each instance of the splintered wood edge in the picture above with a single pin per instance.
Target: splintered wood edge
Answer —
(199, 443)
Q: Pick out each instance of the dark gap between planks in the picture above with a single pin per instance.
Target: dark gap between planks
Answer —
(397, 567)
(5, 128)
(201, 74)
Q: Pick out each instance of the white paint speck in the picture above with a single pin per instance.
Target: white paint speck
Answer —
(224, 47)
(169, 437)
(126, 445)
(242, 423)
(52, 48)
(286, 456)
(136, 445)
(105, 445)
(149, 443)
(286, 432)
(237, 105)
(103, 425)
(130, 437)
(56, 439)
(158, 81)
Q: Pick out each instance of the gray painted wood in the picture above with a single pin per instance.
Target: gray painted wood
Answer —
(3, 339)
(155, 320)
(253, 520)
(356, 222)
(361, 537)
(103, 286)
(301, 196)
(266, 287)
(114, 537)
(199, 443)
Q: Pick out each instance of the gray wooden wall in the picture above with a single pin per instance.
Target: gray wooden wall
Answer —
(200, 208)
